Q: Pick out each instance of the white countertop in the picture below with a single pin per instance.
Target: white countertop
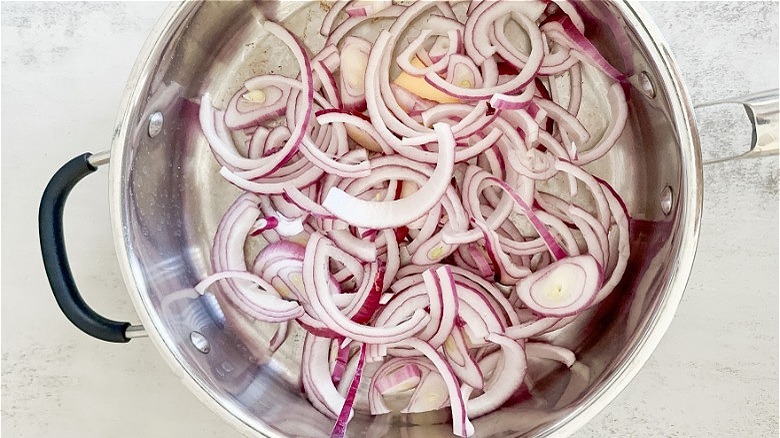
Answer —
(64, 67)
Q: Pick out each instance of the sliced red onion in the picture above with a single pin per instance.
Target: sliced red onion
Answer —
(430, 394)
(461, 426)
(404, 58)
(366, 8)
(482, 263)
(363, 132)
(553, 62)
(477, 310)
(378, 82)
(409, 369)
(531, 328)
(262, 303)
(287, 227)
(563, 288)
(316, 328)
(315, 374)
(463, 365)
(445, 46)
(330, 17)
(417, 218)
(506, 379)
(262, 98)
(350, 371)
(323, 78)
(362, 249)
(334, 165)
(489, 291)
(303, 110)
(223, 148)
(302, 201)
(447, 289)
(368, 296)
(564, 119)
(227, 252)
(543, 350)
(328, 58)
(315, 271)
(602, 205)
(525, 76)
(432, 251)
(340, 428)
(354, 59)
(405, 378)
(570, 9)
(409, 102)
(594, 234)
(340, 364)
(380, 215)
(462, 71)
(512, 102)
(262, 224)
(552, 245)
(279, 337)
(561, 230)
(300, 179)
(617, 208)
(618, 109)
(563, 26)
(481, 19)
(344, 28)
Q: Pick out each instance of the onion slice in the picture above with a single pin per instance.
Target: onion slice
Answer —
(563, 288)
(340, 428)
(392, 214)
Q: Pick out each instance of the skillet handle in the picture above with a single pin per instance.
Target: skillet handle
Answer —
(55, 258)
(762, 110)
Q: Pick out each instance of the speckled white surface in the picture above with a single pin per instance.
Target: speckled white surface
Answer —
(64, 66)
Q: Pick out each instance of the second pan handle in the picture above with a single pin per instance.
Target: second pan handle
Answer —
(762, 110)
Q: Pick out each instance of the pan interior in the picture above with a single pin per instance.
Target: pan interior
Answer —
(172, 199)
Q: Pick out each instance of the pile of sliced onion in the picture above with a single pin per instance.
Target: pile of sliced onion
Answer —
(421, 203)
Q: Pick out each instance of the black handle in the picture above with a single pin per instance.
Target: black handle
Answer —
(55, 259)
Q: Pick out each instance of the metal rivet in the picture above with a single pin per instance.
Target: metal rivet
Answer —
(666, 200)
(155, 124)
(647, 84)
(200, 342)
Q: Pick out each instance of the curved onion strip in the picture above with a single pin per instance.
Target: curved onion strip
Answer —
(360, 213)
(563, 27)
(618, 117)
(506, 379)
(340, 428)
(530, 329)
(262, 303)
(548, 351)
(461, 426)
(315, 374)
(330, 17)
(404, 58)
(463, 365)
